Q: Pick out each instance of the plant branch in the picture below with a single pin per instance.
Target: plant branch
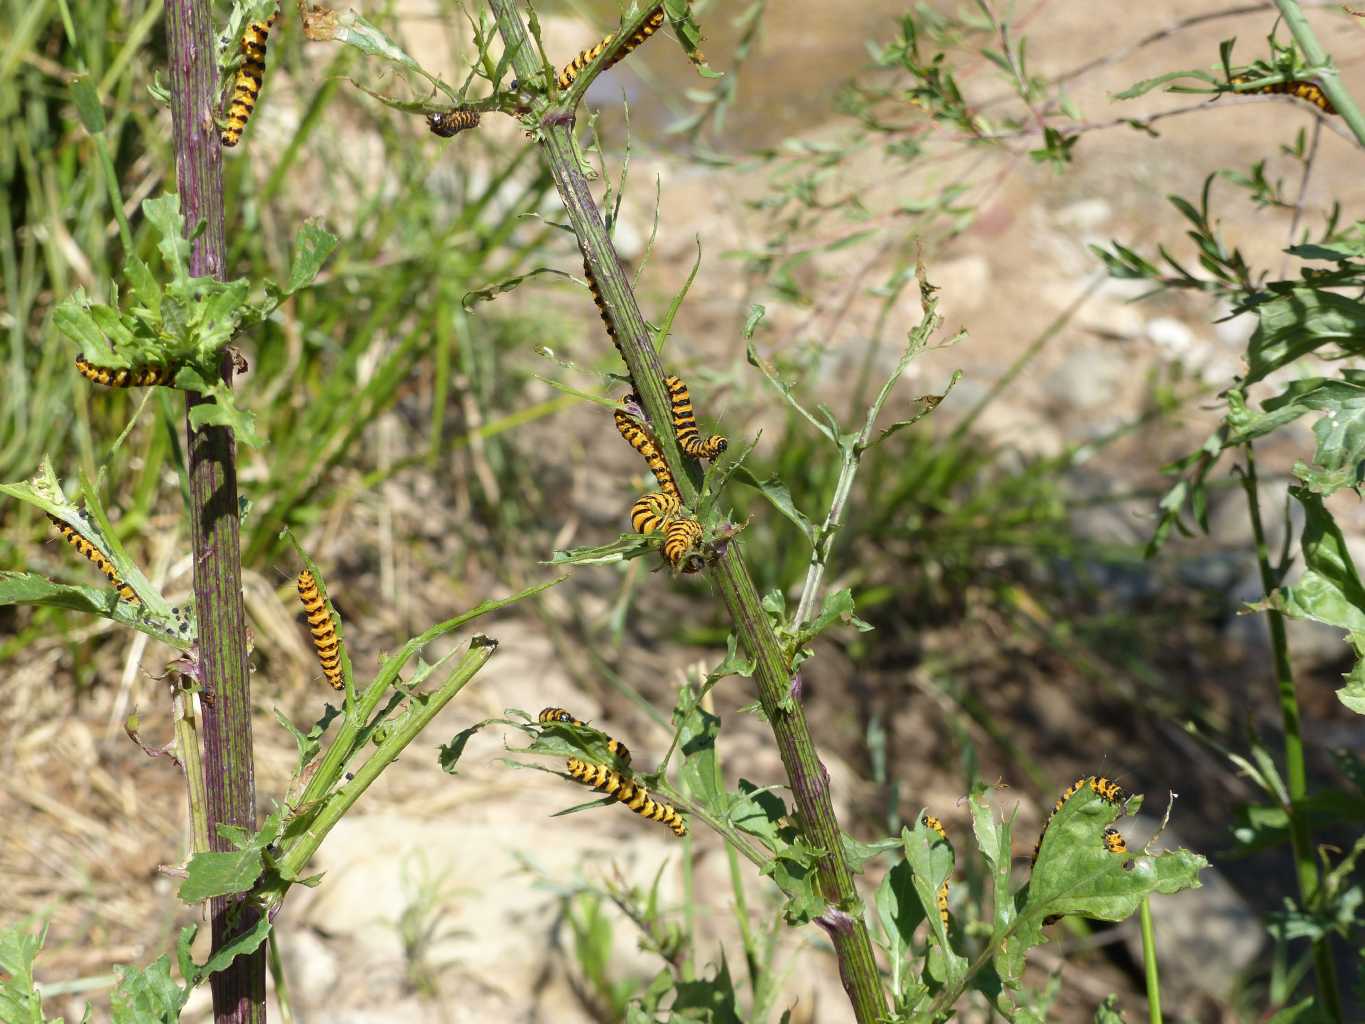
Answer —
(1296, 776)
(1323, 68)
(844, 918)
(239, 989)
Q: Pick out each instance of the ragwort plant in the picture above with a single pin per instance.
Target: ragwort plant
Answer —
(929, 965)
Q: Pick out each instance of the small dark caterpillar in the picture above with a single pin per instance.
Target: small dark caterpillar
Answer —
(685, 424)
(136, 377)
(247, 85)
(1114, 841)
(633, 796)
(680, 538)
(325, 639)
(1107, 790)
(617, 748)
(451, 122)
(586, 57)
(638, 437)
(930, 822)
(96, 557)
(653, 511)
(601, 305)
(1304, 90)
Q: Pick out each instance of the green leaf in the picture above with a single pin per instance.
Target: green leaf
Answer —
(760, 812)
(490, 292)
(838, 607)
(1329, 591)
(697, 731)
(1353, 693)
(628, 545)
(931, 863)
(312, 246)
(793, 870)
(994, 839)
(707, 999)
(243, 945)
(20, 1001)
(1109, 1011)
(87, 104)
(899, 909)
(220, 873)
(777, 494)
(148, 996)
(449, 754)
(1340, 433)
(1301, 321)
(1148, 84)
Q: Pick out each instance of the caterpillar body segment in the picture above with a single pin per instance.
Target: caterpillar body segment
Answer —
(447, 123)
(1107, 790)
(326, 641)
(685, 424)
(96, 557)
(134, 377)
(247, 85)
(1114, 841)
(681, 538)
(617, 749)
(932, 823)
(638, 436)
(633, 796)
(1299, 88)
(653, 511)
(572, 69)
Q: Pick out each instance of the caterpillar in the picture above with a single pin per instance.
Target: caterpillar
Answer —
(638, 437)
(601, 303)
(930, 822)
(586, 57)
(618, 749)
(247, 86)
(451, 122)
(1109, 791)
(680, 537)
(136, 377)
(325, 639)
(97, 557)
(685, 424)
(1304, 90)
(1114, 841)
(634, 796)
(653, 511)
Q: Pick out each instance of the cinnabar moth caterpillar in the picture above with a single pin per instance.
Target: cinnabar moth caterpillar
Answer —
(618, 749)
(1114, 841)
(571, 70)
(638, 437)
(930, 822)
(685, 424)
(632, 795)
(325, 639)
(601, 305)
(451, 122)
(1310, 91)
(680, 537)
(135, 377)
(653, 511)
(97, 558)
(247, 86)
(1109, 791)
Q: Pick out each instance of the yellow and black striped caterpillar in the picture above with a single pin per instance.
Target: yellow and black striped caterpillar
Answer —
(135, 377)
(1114, 841)
(681, 537)
(1304, 90)
(639, 437)
(96, 557)
(618, 749)
(451, 122)
(601, 305)
(247, 86)
(653, 511)
(930, 822)
(685, 424)
(629, 793)
(1109, 791)
(571, 70)
(325, 639)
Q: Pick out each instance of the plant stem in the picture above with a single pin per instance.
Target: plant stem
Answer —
(1324, 71)
(192, 763)
(238, 989)
(1149, 963)
(1296, 775)
(843, 919)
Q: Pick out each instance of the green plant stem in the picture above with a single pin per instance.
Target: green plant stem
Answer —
(1324, 70)
(301, 850)
(281, 981)
(843, 919)
(1149, 964)
(1296, 776)
(238, 989)
(187, 749)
